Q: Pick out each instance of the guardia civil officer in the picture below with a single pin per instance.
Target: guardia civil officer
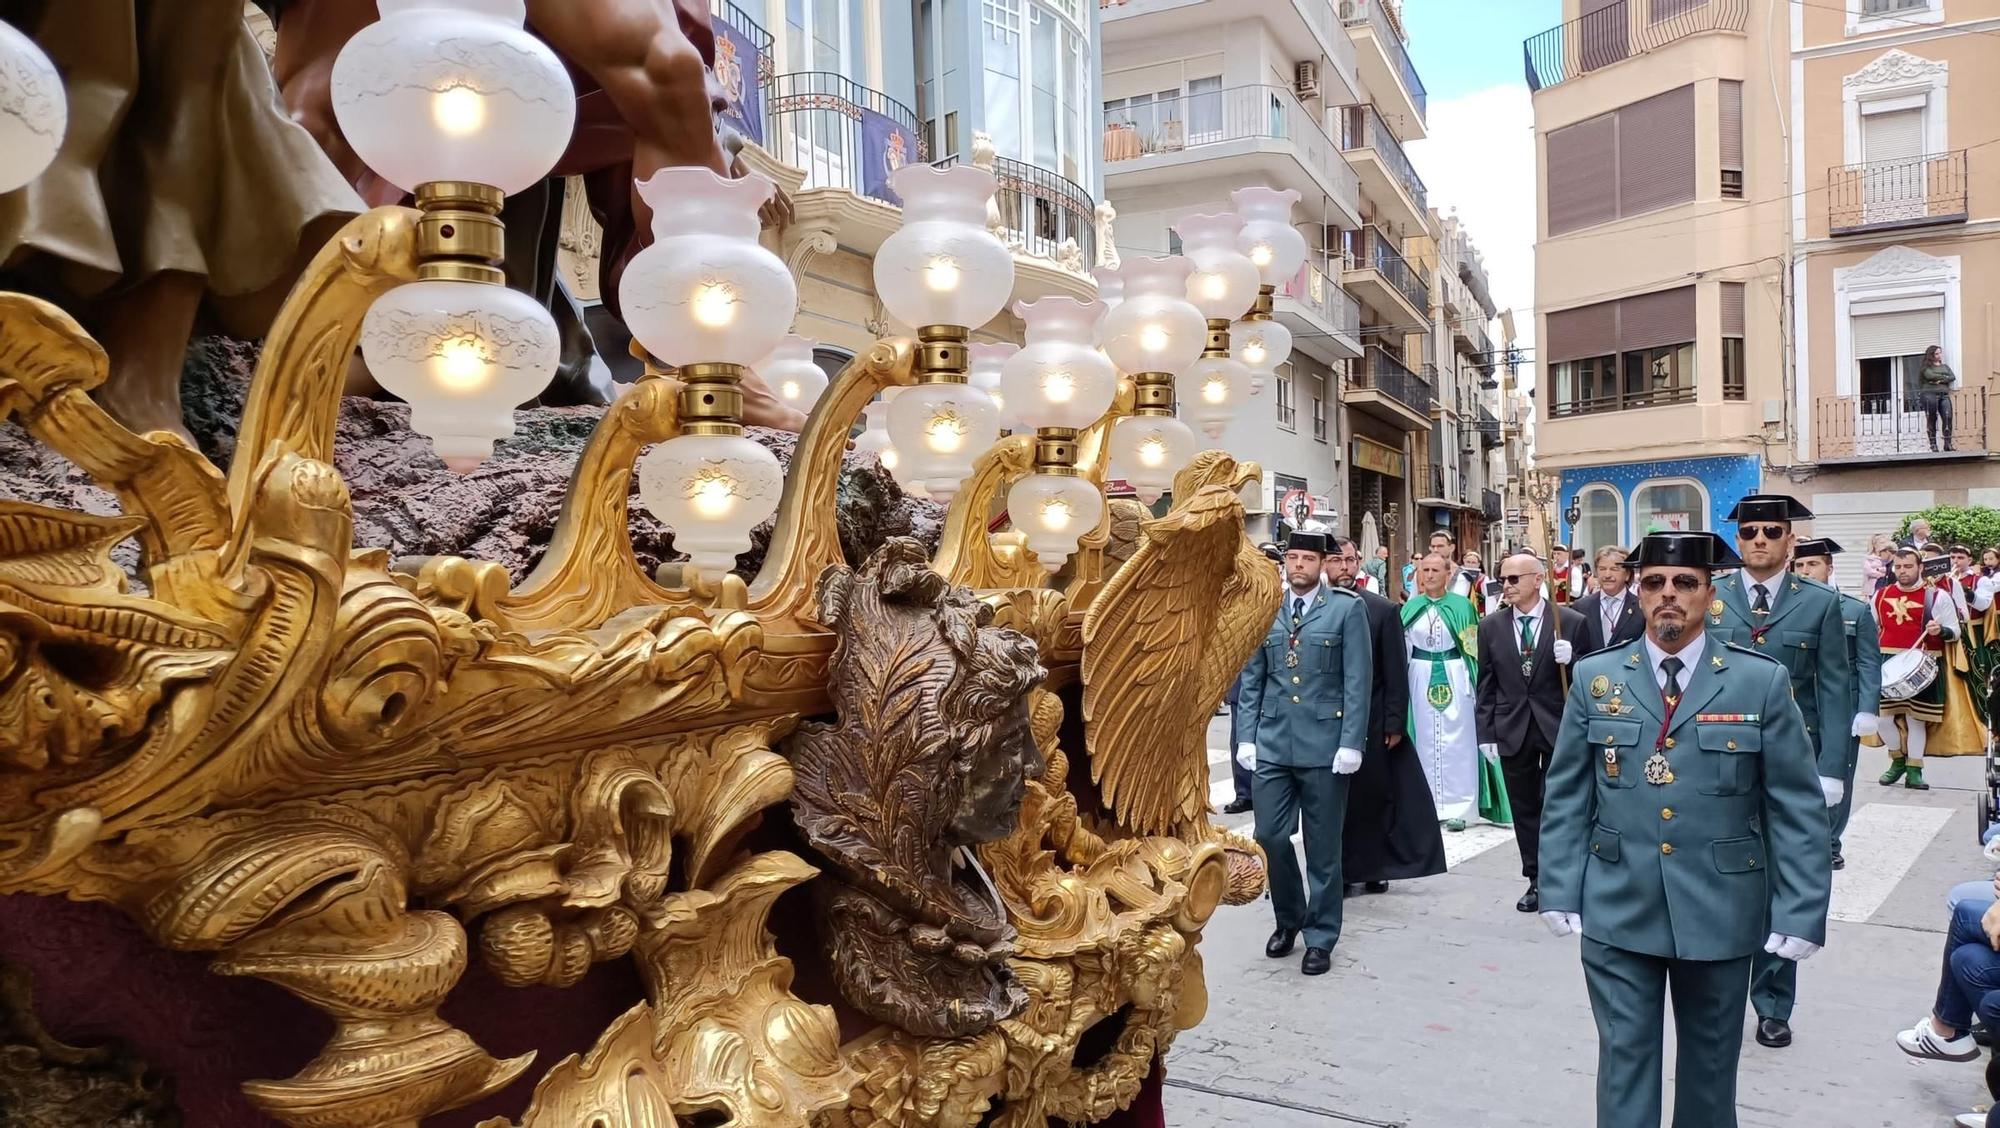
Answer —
(1302, 720)
(1684, 830)
(1797, 621)
(1813, 559)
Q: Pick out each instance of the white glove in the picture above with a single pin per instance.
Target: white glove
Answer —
(1347, 761)
(1563, 651)
(1491, 752)
(1833, 789)
(1866, 724)
(1246, 757)
(1563, 924)
(1789, 947)
(1987, 585)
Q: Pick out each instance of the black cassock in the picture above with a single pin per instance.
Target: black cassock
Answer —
(1392, 829)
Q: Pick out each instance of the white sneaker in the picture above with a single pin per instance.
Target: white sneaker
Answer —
(1970, 1120)
(1923, 1041)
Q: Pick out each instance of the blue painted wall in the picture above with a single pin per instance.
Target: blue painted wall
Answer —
(1725, 479)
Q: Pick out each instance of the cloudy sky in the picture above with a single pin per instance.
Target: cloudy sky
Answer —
(1480, 155)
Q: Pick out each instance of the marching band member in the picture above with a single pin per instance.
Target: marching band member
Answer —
(1912, 615)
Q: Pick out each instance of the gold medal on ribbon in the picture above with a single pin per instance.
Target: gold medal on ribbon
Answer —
(1291, 659)
(1600, 685)
(1658, 771)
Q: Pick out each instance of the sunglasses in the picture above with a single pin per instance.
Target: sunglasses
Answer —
(1768, 532)
(1505, 580)
(1682, 583)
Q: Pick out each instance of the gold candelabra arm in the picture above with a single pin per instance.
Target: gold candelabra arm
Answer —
(967, 553)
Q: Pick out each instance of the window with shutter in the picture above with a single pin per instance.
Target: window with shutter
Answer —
(1629, 353)
(1583, 174)
(1894, 135)
(1729, 131)
(1636, 159)
(1905, 333)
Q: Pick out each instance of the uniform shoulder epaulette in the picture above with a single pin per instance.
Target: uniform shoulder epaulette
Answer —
(1753, 652)
(1816, 583)
(1348, 592)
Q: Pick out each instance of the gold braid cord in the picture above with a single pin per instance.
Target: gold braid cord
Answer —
(352, 781)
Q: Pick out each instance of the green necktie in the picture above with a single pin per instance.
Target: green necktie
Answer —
(1527, 635)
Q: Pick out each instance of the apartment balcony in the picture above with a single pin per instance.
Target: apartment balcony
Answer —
(1490, 507)
(1618, 32)
(1388, 179)
(1430, 486)
(1047, 215)
(1246, 134)
(1888, 195)
(1383, 387)
(1383, 61)
(1428, 373)
(1473, 273)
(1889, 427)
(1469, 337)
(1375, 271)
(844, 135)
(1325, 320)
(1489, 429)
(1292, 21)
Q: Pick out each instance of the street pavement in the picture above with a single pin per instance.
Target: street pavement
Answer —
(1446, 1007)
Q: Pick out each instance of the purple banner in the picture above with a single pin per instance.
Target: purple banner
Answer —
(737, 68)
(886, 145)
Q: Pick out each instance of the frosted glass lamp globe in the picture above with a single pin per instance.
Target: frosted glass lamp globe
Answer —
(34, 111)
(1110, 286)
(1059, 379)
(988, 360)
(1154, 328)
(1260, 347)
(942, 267)
(707, 291)
(1224, 282)
(791, 372)
(1268, 238)
(874, 437)
(711, 490)
(1148, 450)
(938, 429)
(453, 90)
(463, 355)
(1053, 511)
(1211, 391)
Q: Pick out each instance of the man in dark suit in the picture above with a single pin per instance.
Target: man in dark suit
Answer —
(1520, 699)
(1611, 613)
(1391, 832)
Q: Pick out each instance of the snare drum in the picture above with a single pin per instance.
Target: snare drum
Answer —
(1907, 674)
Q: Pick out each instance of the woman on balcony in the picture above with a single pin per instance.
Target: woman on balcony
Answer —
(1934, 384)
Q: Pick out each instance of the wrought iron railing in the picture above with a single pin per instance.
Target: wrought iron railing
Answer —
(1366, 248)
(1482, 345)
(1617, 400)
(1046, 214)
(1389, 33)
(1881, 195)
(1430, 481)
(1317, 287)
(1489, 428)
(1362, 127)
(1880, 425)
(1379, 369)
(842, 134)
(1213, 117)
(1473, 273)
(1620, 31)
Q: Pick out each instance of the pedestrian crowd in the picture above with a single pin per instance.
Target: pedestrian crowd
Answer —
(1672, 731)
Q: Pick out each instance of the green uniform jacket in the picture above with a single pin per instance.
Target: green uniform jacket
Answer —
(1681, 870)
(1806, 633)
(1864, 650)
(1299, 715)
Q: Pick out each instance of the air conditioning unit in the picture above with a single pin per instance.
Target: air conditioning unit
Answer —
(1305, 80)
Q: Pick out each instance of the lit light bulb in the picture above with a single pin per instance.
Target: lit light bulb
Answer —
(713, 491)
(459, 110)
(1253, 352)
(1146, 451)
(714, 304)
(1053, 511)
(462, 364)
(1215, 390)
(1153, 338)
(1058, 387)
(887, 456)
(942, 275)
(791, 391)
(1057, 513)
(946, 432)
(1153, 453)
(1261, 254)
(1214, 287)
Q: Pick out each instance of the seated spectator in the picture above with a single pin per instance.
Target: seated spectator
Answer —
(1971, 971)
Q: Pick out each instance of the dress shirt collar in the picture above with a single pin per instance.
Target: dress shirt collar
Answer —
(1690, 657)
(1312, 597)
(1770, 587)
(1541, 607)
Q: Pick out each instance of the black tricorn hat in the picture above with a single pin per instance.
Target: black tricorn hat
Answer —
(1818, 546)
(1306, 540)
(1684, 550)
(1769, 507)
(1271, 549)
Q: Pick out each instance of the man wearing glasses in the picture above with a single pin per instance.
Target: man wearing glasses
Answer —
(1684, 831)
(1797, 621)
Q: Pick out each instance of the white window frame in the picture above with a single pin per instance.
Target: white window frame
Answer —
(1285, 396)
(1860, 23)
(1891, 274)
(1619, 507)
(1895, 80)
(1707, 502)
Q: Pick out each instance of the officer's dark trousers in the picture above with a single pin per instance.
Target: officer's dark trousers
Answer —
(1628, 998)
(1774, 982)
(1285, 798)
(1846, 806)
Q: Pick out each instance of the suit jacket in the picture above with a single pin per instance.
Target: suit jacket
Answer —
(1864, 654)
(1299, 714)
(1508, 703)
(1805, 632)
(1703, 866)
(1389, 700)
(1590, 637)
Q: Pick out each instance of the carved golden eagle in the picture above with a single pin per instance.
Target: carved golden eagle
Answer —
(1164, 639)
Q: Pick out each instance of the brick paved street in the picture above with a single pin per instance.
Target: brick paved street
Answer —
(1446, 1007)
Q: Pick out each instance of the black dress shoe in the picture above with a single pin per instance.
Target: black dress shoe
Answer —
(1378, 887)
(1280, 943)
(1774, 1032)
(1838, 861)
(1316, 961)
(1982, 1036)
(1351, 889)
(1530, 902)
(1236, 806)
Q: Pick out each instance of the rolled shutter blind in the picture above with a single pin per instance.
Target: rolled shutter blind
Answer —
(1665, 317)
(1585, 331)
(1897, 135)
(1731, 130)
(1656, 165)
(1732, 309)
(1583, 179)
(1907, 333)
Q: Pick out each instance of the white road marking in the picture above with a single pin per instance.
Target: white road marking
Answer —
(1221, 791)
(1882, 842)
(1473, 841)
(1218, 756)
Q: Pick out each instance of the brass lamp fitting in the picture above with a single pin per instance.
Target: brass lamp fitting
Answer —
(711, 400)
(1260, 310)
(1218, 339)
(1153, 393)
(941, 355)
(1055, 451)
(460, 237)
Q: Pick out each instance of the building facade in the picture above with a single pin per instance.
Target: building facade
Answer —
(1456, 481)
